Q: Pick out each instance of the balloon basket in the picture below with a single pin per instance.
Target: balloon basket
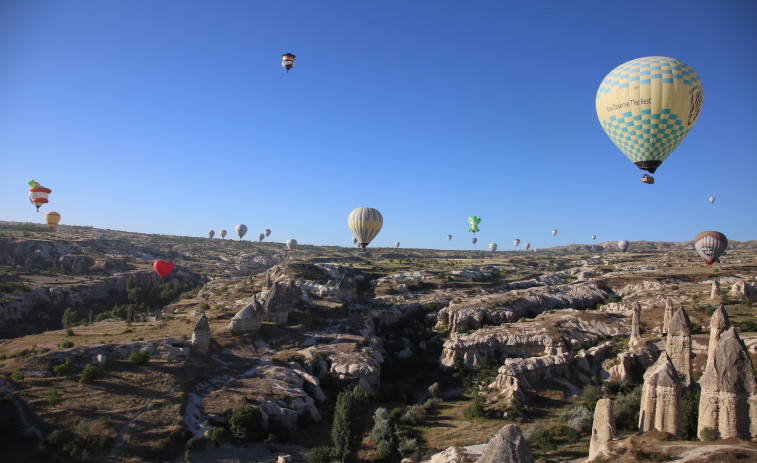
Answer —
(648, 179)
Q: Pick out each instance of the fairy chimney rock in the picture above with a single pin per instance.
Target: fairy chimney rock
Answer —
(728, 403)
(603, 429)
(667, 316)
(738, 290)
(201, 336)
(635, 325)
(679, 345)
(508, 445)
(246, 320)
(718, 325)
(661, 398)
(715, 292)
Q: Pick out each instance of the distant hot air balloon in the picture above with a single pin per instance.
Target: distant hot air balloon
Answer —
(52, 219)
(449, 237)
(223, 233)
(38, 194)
(474, 221)
(163, 268)
(365, 223)
(647, 106)
(623, 245)
(291, 244)
(261, 237)
(397, 244)
(593, 237)
(493, 247)
(534, 249)
(554, 232)
(516, 241)
(474, 240)
(211, 233)
(527, 245)
(287, 60)
(710, 245)
(354, 240)
(241, 230)
(267, 232)
(712, 199)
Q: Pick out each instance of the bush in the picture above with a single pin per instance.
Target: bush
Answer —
(476, 408)
(17, 376)
(63, 369)
(591, 395)
(408, 447)
(690, 414)
(625, 410)
(321, 454)
(434, 390)
(67, 344)
(566, 433)
(53, 397)
(543, 441)
(218, 436)
(382, 430)
(197, 443)
(385, 448)
(709, 434)
(57, 437)
(580, 418)
(90, 373)
(69, 318)
(139, 357)
(245, 421)
(413, 415)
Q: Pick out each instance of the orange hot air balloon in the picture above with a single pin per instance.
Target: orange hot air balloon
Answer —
(38, 194)
(223, 233)
(52, 219)
(163, 268)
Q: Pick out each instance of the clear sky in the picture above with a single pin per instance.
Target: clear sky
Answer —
(176, 117)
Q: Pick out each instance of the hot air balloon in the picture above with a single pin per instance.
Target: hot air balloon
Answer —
(354, 240)
(647, 106)
(52, 219)
(474, 240)
(474, 221)
(223, 233)
(241, 230)
(710, 245)
(38, 194)
(267, 232)
(593, 237)
(554, 232)
(534, 249)
(449, 237)
(516, 241)
(493, 247)
(287, 60)
(291, 244)
(211, 233)
(365, 223)
(397, 244)
(623, 245)
(261, 237)
(527, 245)
(163, 268)
(712, 199)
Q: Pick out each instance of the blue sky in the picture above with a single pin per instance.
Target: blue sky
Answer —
(176, 117)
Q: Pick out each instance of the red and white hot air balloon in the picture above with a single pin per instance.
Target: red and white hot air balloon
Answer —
(38, 194)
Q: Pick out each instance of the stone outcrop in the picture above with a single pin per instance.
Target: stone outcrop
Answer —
(718, 325)
(661, 398)
(603, 429)
(507, 446)
(738, 291)
(246, 320)
(279, 300)
(679, 345)
(668, 314)
(629, 366)
(728, 402)
(635, 326)
(201, 336)
(715, 291)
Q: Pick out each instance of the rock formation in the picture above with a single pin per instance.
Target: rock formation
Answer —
(507, 446)
(668, 315)
(715, 291)
(246, 320)
(201, 336)
(661, 398)
(738, 291)
(635, 326)
(603, 429)
(718, 325)
(728, 404)
(679, 345)
(279, 300)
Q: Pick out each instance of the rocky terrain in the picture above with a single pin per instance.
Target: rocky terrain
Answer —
(103, 361)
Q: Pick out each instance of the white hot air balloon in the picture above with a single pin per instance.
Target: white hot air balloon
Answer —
(623, 245)
(554, 232)
(493, 247)
(712, 199)
(397, 244)
(593, 237)
(527, 245)
(291, 244)
(241, 230)
(516, 241)
(211, 233)
(261, 237)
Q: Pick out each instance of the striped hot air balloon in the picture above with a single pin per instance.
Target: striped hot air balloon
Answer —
(52, 218)
(365, 223)
(287, 60)
(241, 230)
(474, 240)
(223, 233)
(710, 245)
(38, 194)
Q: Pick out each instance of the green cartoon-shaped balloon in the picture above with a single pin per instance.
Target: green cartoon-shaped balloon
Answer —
(474, 221)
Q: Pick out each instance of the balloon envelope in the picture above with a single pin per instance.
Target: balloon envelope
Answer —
(241, 230)
(365, 223)
(261, 237)
(474, 220)
(287, 60)
(211, 233)
(38, 194)
(223, 233)
(474, 240)
(710, 245)
(623, 245)
(291, 244)
(516, 241)
(712, 199)
(593, 237)
(449, 237)
(554, 232)
(397, 244)
(527, 245)
(267, 232)
(647, 106)
(163, 268)
(493, 247)
(52, 219)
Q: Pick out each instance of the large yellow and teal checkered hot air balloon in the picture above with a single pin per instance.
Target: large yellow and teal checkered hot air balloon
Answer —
(365, 223)
(647, 106)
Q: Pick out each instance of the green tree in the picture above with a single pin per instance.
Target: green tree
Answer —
(54, 396)
(91, 318)
(476, 408)
(90, 373)
(139, 357)
(591, 395)
(69, 318)
(690, 414)
(350, 420)
(245, 421)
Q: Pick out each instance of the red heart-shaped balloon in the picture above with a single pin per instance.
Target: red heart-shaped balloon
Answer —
(163, 267)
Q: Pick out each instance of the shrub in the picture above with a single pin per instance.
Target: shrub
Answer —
(139, 357)
(434, 390)
(626, 410)
(17, 376)
(566, 433)
(476, 408)
(197, 443)
(413, 415)
(218, 436)
(57, 437)
(385, 448)
(63, 369)
(591, 395)
(690, 414)
(90, 373)
(67, 344)
(709, 434)
(53, 397)
(320, 454)
(382, 430)
(69, 318)
(408, 447)
(580, 418)
(245, 421)
(543, 441)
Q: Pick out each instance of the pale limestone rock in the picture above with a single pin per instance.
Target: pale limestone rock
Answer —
(507, 446)
(667, 316)
(728, 403)
(279, 300)
(738, 291)
(718, 325)
(603, 429)
(661, 398)
(635, 326)
(715, 291)
(679, 345)
(201, 336)
(246, 320)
